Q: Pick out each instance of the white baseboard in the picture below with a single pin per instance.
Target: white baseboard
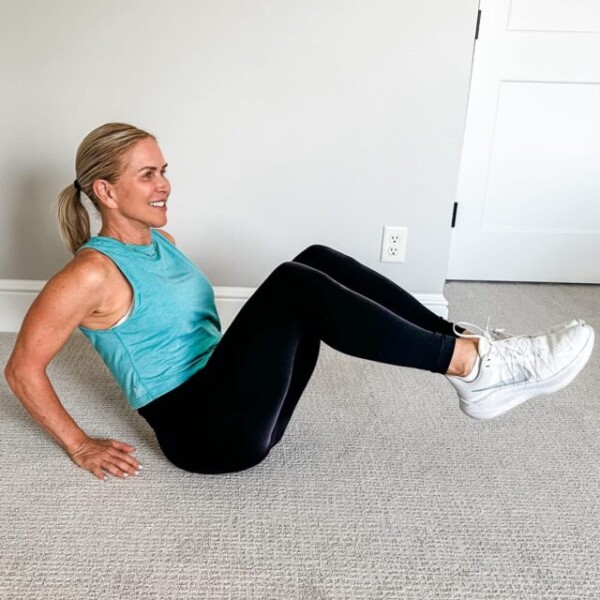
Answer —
(16, 296)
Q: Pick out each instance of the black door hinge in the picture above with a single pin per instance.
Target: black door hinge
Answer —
(477, 28)
(454, 214)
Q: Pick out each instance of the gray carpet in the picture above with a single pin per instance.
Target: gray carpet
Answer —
(381, 488)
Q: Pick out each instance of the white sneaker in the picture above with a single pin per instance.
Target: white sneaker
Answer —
(502, 334)
(515, 369)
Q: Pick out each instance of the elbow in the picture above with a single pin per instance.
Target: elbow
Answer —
(14, 374)
(20, 370)
(10, 375)
(18, 374)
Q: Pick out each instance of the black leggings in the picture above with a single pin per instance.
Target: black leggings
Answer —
(229, 415)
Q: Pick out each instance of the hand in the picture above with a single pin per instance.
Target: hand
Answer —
(99, 455)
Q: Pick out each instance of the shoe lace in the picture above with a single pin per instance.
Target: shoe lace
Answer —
(522, 355)
(490, 334)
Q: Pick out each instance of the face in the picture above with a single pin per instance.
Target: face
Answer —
(141, 193)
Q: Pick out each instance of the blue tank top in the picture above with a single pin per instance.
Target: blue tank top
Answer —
(173, 327)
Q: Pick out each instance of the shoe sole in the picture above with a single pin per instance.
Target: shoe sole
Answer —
(506, 399)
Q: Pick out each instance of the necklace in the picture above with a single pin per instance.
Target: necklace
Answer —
(145, 249)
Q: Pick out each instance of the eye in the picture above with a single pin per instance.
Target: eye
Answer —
(148, 174)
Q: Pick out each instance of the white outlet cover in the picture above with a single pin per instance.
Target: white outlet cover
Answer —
(393, 245)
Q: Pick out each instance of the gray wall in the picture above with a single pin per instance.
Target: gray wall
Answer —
(285, 122)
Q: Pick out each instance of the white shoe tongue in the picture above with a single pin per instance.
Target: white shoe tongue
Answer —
(483, 346)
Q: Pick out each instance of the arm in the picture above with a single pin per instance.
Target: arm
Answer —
(65, 301)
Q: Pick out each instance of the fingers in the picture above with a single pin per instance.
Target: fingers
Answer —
(126, 464)
(120, 464)
(99, 473)
(120, 470)
(122, 446)
(102, 457)
(117, 468)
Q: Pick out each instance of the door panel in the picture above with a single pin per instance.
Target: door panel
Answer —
(529, 187)
(530, 174)
(554, 15)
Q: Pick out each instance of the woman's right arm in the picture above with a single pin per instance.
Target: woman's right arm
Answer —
(66, 300)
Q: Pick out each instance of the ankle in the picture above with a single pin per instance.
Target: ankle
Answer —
(464, 357)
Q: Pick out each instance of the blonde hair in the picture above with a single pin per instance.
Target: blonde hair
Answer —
(99, 156)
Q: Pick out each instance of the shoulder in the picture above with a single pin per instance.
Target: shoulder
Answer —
(167, 235)
(65, 301)
(90, 267)
(82, 277)
(69, 297)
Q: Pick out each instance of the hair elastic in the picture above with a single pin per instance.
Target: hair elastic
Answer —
(76, 185)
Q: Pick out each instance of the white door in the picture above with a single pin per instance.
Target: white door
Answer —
(528, 196)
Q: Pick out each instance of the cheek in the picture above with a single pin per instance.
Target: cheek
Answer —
(133, 195)
(141, 189)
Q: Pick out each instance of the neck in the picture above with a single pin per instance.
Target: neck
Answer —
(141, 237)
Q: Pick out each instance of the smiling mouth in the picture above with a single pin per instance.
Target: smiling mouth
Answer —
(161, 204)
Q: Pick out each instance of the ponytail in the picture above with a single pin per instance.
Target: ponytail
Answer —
(73, 219)
(99, 156)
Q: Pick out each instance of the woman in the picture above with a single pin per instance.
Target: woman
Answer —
(219, 402)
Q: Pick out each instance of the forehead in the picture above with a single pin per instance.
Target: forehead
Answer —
(144, 153)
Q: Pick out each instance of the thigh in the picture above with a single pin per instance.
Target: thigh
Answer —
(225, 417)
(375, 286)
(250, 371)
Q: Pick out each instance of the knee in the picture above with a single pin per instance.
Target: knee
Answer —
(296, 284)
(293, 278)
(281, 271)
(287, 271)
(313, 252)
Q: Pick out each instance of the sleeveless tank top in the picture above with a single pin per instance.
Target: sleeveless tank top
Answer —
(173, 326)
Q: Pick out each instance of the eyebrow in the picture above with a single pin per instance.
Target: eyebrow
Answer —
(154, 168)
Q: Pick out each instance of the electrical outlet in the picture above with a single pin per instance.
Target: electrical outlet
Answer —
(393, 246)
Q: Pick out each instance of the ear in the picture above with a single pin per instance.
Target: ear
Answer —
(104, 191)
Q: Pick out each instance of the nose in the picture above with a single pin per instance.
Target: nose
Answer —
(162, 183)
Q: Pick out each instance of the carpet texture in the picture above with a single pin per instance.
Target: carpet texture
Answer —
(381, 487)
